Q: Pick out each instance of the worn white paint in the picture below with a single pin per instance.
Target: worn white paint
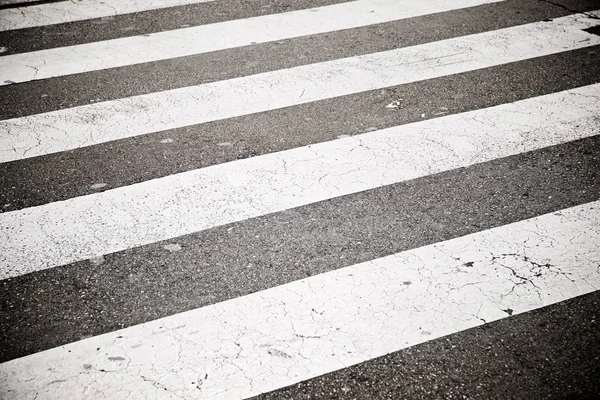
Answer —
(87, 125)
(78, 10)
(219, 36)
(79, 228)
(283, 335)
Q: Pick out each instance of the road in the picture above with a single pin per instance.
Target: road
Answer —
(299, 199)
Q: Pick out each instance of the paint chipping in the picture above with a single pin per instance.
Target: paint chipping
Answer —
(167, 140)
(279, 353)
(99, 260)
(97, 186)
(172, 248)
(395, 104)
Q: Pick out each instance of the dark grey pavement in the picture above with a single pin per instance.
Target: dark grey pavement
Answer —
(553, 352)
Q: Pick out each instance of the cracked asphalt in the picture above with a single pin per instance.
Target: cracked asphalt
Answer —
(550, 352)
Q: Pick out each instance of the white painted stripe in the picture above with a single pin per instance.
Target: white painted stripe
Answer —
(303, 329)
(102, 122)
(78, 10)
(224, 35)
(79, 228)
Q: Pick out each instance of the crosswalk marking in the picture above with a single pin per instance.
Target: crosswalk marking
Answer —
(149, 282)
(179, 204)
(88, 125)
(236, 242)
(78, 10)
(219, 36)
(296, 331)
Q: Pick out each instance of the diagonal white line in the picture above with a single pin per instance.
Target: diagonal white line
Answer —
(283, 335)
(77, 10)
(219, 36)
(88, 125)
(79, 228)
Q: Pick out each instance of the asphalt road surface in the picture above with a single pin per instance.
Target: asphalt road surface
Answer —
(299, 199)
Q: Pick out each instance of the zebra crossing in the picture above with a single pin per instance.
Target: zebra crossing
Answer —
(62, 12)
(309, 189)
(207, 38)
